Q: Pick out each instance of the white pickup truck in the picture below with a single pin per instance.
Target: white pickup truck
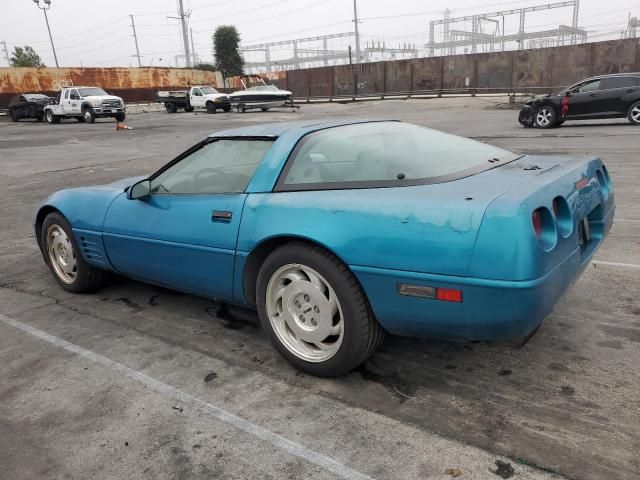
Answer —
(198, 96)
(86, 104)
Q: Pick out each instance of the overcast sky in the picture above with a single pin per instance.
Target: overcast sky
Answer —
(98, 33)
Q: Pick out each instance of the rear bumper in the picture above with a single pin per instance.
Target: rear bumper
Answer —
(491, 310)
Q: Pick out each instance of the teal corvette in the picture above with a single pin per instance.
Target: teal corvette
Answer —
(338, 232)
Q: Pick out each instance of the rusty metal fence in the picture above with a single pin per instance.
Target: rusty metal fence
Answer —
(132, 84)
(538, 70)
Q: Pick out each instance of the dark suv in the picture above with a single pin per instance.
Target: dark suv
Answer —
(605, 96)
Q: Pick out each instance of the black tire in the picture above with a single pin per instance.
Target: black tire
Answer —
(559, 123)
(40, 117)
(80, 119)
(545, 117)
(51, 118)
(89, 115)
(211, 107)
(13, 116)
(362, 333)
(120, 117)
(188, 109)
(88, 278)
(171, 107)
(633, 114)
(226, 108)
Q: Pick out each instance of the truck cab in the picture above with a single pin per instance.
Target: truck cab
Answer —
(86, 104)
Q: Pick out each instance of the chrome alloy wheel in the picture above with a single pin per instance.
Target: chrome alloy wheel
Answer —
(305, 313)
(543, 118)
(87, 115)
(635, 113)
(61, 254)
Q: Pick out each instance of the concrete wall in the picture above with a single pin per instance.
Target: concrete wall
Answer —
(132, 84)
(536, 70)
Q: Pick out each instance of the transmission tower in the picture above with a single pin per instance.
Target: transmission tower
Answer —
(478, 37)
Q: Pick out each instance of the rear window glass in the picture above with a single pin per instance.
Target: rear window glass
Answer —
(385, 154)
(619, 82)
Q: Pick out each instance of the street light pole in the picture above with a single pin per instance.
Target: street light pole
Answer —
(47, 6)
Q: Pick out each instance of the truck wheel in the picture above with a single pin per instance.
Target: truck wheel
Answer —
(51, 118)
(13, 116)
(226, 108)
(40, 117)
(88, 115)
(314, 311)
(171, 107)
(634, 113)
(211, 107)
(120, 117)
(188, 109)
(63, 257)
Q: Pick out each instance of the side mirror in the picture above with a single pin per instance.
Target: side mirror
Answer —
(142, 189)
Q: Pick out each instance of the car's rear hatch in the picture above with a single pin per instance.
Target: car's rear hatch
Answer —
(549, 208)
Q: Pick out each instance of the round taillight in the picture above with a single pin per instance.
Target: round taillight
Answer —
(563, 216)
(607, 178)
(603, 183)
(544, 226)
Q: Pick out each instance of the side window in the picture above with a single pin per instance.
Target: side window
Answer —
(197, 92)
(589, 86)
(221, 166)
(75, 95)
(66, 94)
(618, 82)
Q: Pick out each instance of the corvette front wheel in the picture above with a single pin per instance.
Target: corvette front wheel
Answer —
(314, 311)
(64, 259)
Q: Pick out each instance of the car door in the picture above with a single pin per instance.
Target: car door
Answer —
(71, 104)
(183, 234)
(197, 99)
(583, 99)
(618, 94)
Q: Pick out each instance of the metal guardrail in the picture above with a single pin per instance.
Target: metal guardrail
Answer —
(435, 93)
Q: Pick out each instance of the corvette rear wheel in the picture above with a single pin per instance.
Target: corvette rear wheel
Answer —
(63, 257)
(314, 311)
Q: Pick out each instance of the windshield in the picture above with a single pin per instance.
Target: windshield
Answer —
(208, 90)
(269, 88)
(387, 154)
(91, 92)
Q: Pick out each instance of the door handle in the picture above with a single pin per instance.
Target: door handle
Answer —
(594, 95)
(223, 216)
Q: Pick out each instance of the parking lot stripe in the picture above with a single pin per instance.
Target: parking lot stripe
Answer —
(616, 264)
(240, 423)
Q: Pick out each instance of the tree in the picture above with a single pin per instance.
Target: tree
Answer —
(25, 57)
(209, 67)
(226, 44)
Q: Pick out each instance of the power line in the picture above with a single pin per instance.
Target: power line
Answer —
(241, 12)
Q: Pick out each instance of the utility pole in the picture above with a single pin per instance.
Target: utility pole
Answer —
(193, 49)
(355, 22)
(135, 37)
(6, 52)
(47, 6)
(185, 35)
